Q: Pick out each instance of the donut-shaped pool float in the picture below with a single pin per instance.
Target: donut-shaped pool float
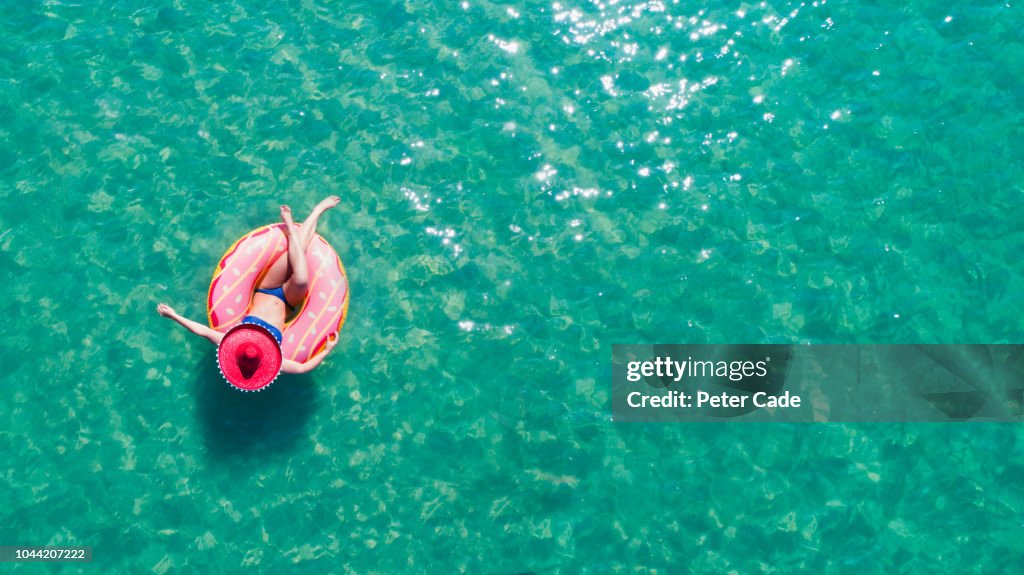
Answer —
(243, 267)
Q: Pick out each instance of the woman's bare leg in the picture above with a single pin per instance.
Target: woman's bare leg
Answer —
(281, 270)
(296, 286)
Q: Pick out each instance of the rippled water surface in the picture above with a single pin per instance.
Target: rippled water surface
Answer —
(523, 184)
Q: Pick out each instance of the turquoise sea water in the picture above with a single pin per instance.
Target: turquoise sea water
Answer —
(524, 184)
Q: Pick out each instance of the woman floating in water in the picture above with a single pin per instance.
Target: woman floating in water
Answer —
(250, 353)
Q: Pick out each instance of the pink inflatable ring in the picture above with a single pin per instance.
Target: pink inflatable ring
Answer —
(243, 267)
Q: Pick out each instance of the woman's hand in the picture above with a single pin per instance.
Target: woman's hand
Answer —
(290, 366)
(165, 310)
(197, 328)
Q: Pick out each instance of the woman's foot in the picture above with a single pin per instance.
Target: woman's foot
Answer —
(309, 226)
(286, 216)
(327, 203)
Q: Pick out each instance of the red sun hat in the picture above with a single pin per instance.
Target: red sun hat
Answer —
(249, 357)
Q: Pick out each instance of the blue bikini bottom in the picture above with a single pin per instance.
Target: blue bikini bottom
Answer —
(277, 292)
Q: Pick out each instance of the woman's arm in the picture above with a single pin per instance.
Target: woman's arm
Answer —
(195, 327)
(289, 366)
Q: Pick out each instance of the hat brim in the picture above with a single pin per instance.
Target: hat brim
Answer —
(270, 363)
